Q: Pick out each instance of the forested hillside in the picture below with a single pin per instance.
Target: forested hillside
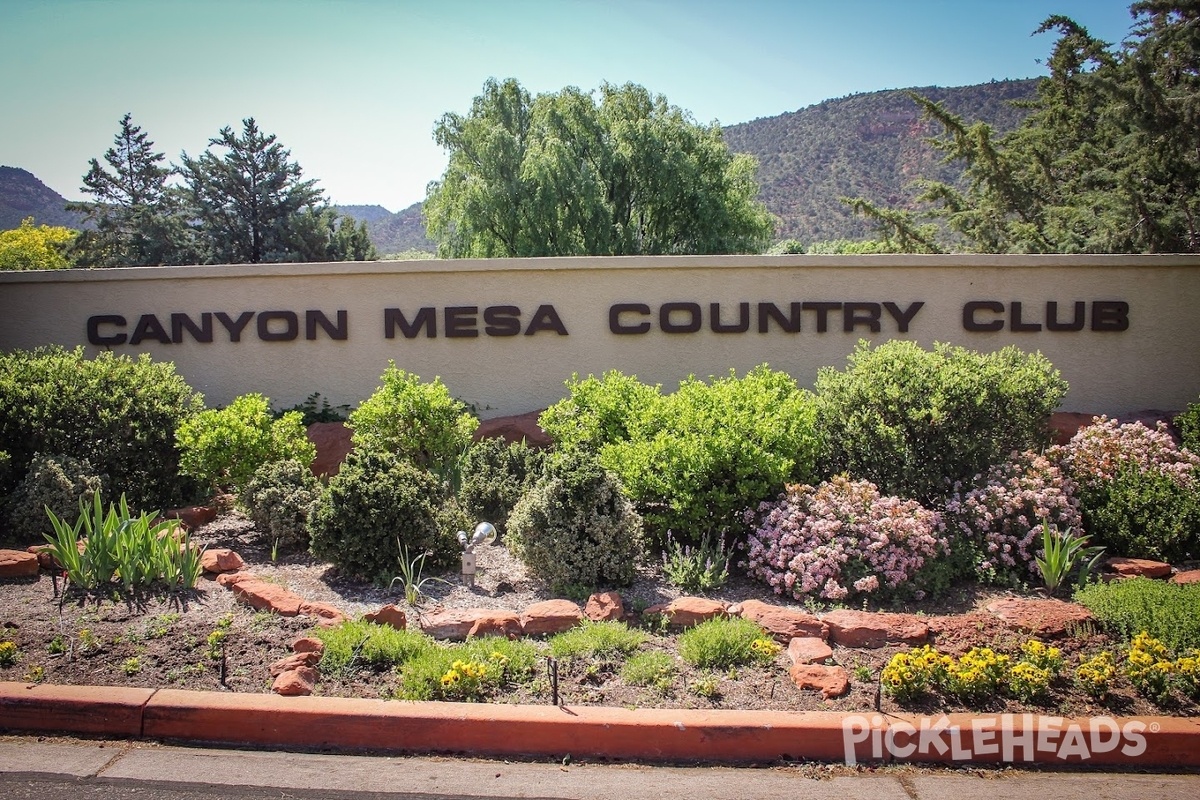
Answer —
(392, 233)
(865, 145)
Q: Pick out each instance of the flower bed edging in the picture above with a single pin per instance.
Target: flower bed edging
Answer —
(267, 720)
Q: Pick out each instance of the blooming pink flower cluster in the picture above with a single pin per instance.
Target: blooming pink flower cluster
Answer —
(840, 539)
(1096, 453)
(1002, 514)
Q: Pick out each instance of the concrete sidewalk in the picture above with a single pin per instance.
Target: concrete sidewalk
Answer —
(42, 767)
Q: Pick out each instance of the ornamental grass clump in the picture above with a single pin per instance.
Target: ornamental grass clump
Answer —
(1138, 491)
(726, 642)
(996, 520)
(597, 640)
(841, 540)
(471, 672)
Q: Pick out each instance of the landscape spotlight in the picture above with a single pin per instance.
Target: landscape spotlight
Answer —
(485, 533)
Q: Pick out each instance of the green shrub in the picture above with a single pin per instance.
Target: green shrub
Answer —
(495, 475)
(725, 642)
(316, 408)
(575, 527)
(377, 504)
(418, 421)
(599, 411)
(1137, 489)
(5, 467)
(1167, 611)
(1189, 427)
(117, 413)
(694, 459)
(354, 644)
(703, 454)
(913, 422)
(597, 640)
(1143, 514)
(222, 448)
(55, 482)
(280, 497)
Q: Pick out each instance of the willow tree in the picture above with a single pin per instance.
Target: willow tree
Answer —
(614, 172)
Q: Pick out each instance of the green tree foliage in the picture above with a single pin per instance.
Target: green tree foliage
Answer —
(35, 247)
(322, 234)
(245, 201)
(1109, 160)
(564, 174)
(137, 216)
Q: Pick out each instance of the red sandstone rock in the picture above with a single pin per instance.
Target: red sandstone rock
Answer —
(1138, 567)
(332, 440)
(325, 614)
(18, 564)
(453, 623)
(1188, 576)
(192, 517)
(684, 612)
(295, 682)
(829, 681)
(221, 559)
(266, 596)
(863, 629)
(309, 644)
(496, 623)
(1065, 424)
(46, 559)
(1049, 618)
(550, 616)
(808, 650)
(388, 615)
(783, 623)
(604, 606)
(294, 661)
(231, 579)
(513, 429)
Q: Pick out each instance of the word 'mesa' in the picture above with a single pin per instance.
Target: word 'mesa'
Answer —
(623, 319)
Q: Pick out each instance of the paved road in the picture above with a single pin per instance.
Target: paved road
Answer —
(69, 769)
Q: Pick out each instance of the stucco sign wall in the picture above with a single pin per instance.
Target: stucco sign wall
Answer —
(505, 334)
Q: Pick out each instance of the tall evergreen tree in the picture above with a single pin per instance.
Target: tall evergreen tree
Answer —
(135, 214)
(244, 202)
(1109, 160)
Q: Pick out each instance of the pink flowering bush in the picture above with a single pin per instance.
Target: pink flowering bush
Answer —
(1097, 453)
(998, 517)
(1139, 492)
(840, 540)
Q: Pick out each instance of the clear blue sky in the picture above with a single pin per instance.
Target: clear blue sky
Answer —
(354, 87)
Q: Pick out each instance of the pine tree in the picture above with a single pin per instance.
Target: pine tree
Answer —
(135, 215)
(245, 201)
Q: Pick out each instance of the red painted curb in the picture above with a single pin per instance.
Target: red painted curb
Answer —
(494, 729)
(110, 710)
(600, 732)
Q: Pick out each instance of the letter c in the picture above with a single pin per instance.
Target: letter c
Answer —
(614, 317)
(93, 329)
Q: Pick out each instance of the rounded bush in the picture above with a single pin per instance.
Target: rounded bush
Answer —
(117, 413)
(598, 411)
(377, 504)
(1137, 489)
(840, 540)
(995, 521)
(1189, 427)
(280, 497)
(913, 422)
(222, 448)
(495, 475)
(418, 421)
(56, 482)
(575, 527)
